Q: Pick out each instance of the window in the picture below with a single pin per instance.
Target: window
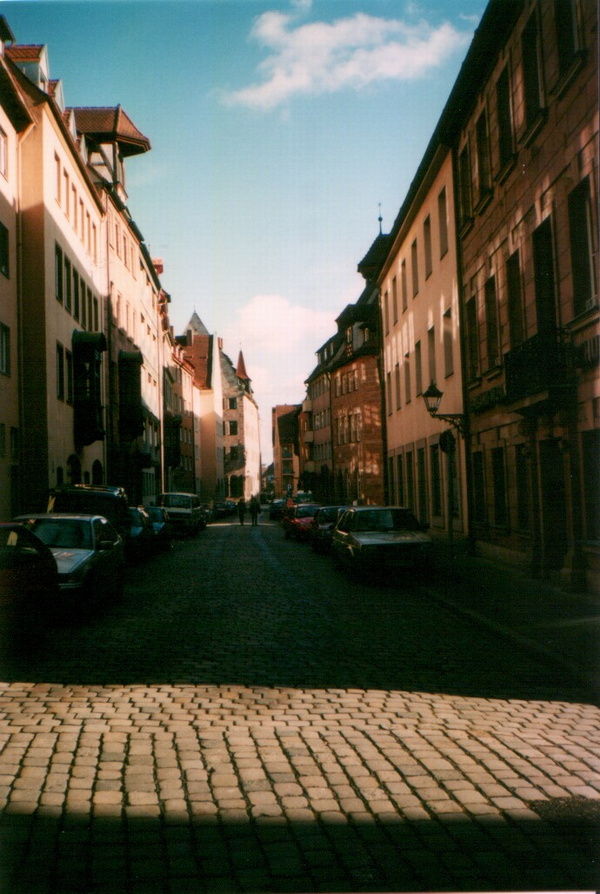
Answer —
(233, 428)
(397, 375)
(418, 369)
(386, 317)
(515, 299)
(448, 344)
(407, 389)
(532, 84)
(2, 439)
(75, 295)
(233, 403)
(83, 304)
(388, 392)
(483, 157)
(4, 350)
(415, 268)
(522, 482)
(69, 372)
(96, 320)
(399, 480)
(410, 480)
(565, 19)
(60, 372)
(74, 204)
(464, 185)
(4, 251)
(491, 320)
(66, 191)
(3, 153)
(505, 120)
(89, 303)
(479, 497)
(68, 285)
(57, 178)
(395, 299)
(427, 244)
(499, 479)
(58, 273)
(472, 339)
(543, 274)
(583, 247)
(404, 286)
(443, 222)
(436, 485)
(431, 354)
(590, 442)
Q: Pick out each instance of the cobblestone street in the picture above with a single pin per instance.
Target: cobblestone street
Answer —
(248, 719)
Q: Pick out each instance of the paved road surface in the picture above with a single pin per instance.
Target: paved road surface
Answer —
(248, 719)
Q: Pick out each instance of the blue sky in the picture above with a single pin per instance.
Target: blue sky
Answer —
(277, 128)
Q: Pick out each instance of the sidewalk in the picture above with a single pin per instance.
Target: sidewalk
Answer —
(562, 627)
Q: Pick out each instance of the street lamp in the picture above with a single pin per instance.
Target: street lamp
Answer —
(433, 397)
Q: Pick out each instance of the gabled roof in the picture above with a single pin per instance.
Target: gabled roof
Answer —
(110, 124)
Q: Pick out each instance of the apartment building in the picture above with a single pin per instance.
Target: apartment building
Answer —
(62, 288)
(426, 468)
(356, 396)
(316, 465)
(14, 123)
(241, 440)
(527, 161)
(286, 463)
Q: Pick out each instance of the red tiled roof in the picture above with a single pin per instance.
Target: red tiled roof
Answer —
(24, 52)
(111, 123)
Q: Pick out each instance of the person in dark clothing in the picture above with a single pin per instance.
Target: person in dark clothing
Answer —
(241, 510)
(254, 510)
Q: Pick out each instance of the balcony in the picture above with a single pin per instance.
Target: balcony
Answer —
(307, 405)
(540, 367)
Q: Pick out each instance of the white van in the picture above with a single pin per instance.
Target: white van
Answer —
(184, 511)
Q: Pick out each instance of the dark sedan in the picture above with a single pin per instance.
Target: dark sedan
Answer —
(297, 520)
(378, 540)
(88, 552)
(322, 525)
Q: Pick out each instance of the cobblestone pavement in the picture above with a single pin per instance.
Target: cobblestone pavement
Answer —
(248, 719)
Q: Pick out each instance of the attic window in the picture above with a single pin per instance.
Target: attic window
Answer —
(367, 334)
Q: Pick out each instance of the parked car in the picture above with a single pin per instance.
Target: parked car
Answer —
(107, 500)
(276, 509)
(88, 551)
(376, 539)
(297, 520)
(140, 540)
(184, 510)
(163, 531)
(28, 571)
(322, 525)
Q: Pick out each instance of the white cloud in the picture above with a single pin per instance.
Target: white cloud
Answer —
(278, 340)
(350, 53)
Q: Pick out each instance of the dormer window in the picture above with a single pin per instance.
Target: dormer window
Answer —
(367, 334)
(349, 335)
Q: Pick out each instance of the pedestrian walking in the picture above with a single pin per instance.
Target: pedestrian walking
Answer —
(241, 510)
(254, 510)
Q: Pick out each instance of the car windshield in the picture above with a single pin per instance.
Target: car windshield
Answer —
(176, 501)
(328, 515)
(305, 511)
(66, 533)
(386, 520)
